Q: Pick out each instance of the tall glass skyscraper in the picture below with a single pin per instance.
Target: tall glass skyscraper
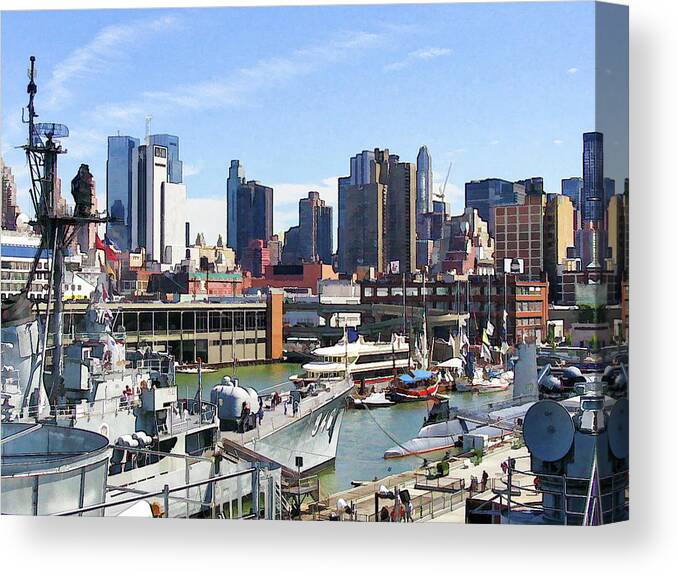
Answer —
(236, 178)
(175, 166)
(572, 187)
(121, 188)
(424, 181)
(593, 193)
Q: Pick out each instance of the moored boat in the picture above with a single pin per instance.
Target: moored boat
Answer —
(367, 363)
(374, 400)
(419, 385)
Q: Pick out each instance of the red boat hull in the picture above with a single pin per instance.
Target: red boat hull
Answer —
(404, 394)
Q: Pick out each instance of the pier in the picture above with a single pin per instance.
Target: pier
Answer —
(434, 498)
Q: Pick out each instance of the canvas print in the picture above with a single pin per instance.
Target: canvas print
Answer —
(324, 263)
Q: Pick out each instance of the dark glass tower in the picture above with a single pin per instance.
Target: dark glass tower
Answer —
(121, 186)
(593, 194)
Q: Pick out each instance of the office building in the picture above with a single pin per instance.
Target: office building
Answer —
(159, 208)
(559, 234)
(174, 164)
(532, 185)
(485, 195)
(360, 174)
(519, 234)
(10, 208)
(617, 235)
(256, 258)
(254, 215)
(377, 214)
(311, 239)
(402, 213)
(572, 188)
(315, 227)
(236, 178)
(122, 166)
(468, 246)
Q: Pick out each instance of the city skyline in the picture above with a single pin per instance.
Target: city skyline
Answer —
(489, 119)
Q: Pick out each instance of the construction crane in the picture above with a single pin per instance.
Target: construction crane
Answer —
(441, 192)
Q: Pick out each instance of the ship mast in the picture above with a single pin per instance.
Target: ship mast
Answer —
(56, 225)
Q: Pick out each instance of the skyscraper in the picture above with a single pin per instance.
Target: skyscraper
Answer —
(485, 195)
(122, 177)
(254, 215)
(572, 187)
(360, 173)
(402, 211)
(377, 213)
(424, 181)
(314, 231)
(532, 185)
(236, 178)
(174, 164)
(593, 190)
(158, 211)
(591, 239)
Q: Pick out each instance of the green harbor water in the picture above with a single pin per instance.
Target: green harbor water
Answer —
(364, 436)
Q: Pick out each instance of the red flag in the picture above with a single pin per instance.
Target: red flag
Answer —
(109, 252)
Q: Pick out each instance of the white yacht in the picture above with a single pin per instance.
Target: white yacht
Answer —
(368, 362)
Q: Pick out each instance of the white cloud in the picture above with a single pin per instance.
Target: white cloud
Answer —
(494, 142)
(558, 142)
(240, 87)
(109, 44)
(422, 54)
(572, 71)
(191, 169)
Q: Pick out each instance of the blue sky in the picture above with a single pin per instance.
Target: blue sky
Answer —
(499, 90)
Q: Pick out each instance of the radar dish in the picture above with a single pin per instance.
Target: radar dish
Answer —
(618, 429)
(548, 430)
(50, 129)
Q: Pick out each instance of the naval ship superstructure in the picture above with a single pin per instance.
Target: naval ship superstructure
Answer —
(99, 406)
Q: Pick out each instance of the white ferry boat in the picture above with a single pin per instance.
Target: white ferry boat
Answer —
(368, 362)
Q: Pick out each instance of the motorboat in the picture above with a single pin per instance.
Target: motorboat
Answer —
(374, 400)
(368, 363)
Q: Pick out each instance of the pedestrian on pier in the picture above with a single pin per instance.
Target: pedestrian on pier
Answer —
(409, 510)
(483, 480)
(504, 467)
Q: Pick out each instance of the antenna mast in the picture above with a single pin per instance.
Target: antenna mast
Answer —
(56, 224)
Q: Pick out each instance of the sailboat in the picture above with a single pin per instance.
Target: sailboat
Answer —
(418, 384)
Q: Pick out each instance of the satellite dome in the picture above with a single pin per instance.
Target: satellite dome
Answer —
(572, 372)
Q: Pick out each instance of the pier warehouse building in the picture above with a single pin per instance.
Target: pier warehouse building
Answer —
(245, 329)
